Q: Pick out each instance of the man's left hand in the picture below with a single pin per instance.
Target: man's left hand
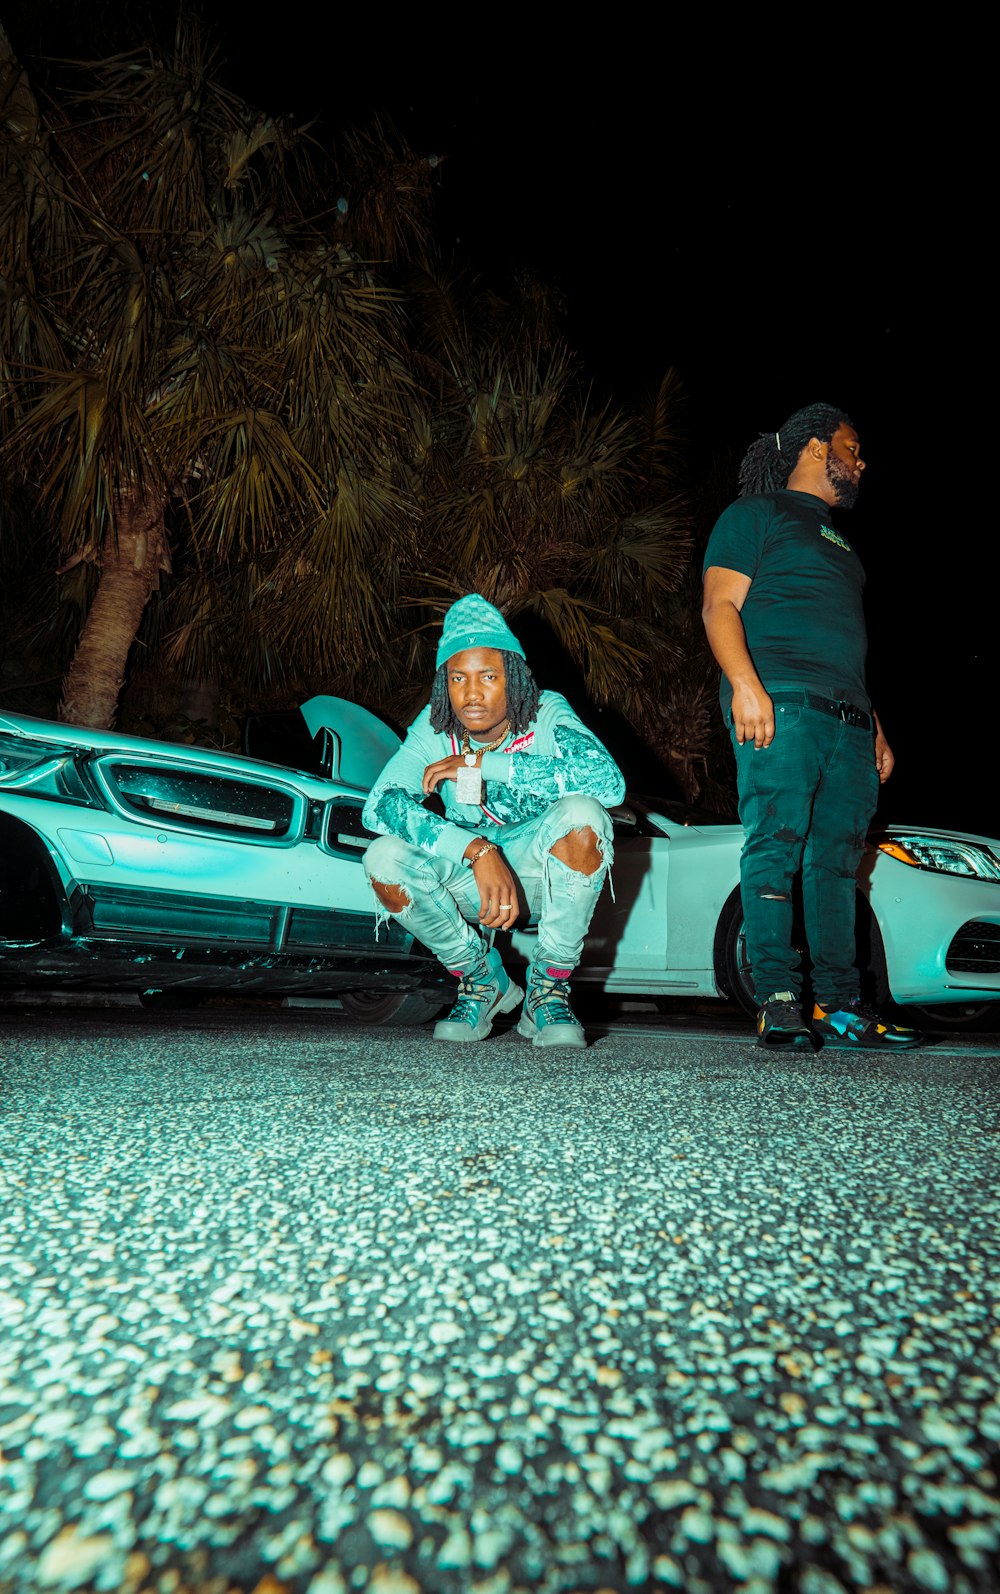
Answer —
(441, 769)
(884, 759)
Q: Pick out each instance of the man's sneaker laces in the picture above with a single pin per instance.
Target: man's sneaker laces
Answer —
(483, 992)
(548, 1019)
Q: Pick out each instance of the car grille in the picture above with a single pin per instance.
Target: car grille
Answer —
(975, 949)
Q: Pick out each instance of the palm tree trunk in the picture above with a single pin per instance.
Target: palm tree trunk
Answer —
(131, 563)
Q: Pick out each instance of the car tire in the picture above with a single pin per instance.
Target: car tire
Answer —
(732, 966)
(390, 1007)
(732, 970)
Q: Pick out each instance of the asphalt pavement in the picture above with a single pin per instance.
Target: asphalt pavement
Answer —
(294, 1307)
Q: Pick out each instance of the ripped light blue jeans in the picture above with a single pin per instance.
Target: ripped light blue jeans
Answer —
(443, 911)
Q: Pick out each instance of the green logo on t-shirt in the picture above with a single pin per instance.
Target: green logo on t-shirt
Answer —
(833, 536)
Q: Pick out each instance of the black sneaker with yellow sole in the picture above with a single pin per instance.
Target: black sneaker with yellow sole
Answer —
(853, 1025)
(780, 1024)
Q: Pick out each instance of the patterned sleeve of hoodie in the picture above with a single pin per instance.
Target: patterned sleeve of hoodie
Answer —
(579, 764)
(395, 805)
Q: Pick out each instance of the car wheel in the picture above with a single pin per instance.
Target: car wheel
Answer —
(732, 967)
(390, 1007)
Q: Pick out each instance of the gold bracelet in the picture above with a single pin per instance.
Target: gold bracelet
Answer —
(487, 846)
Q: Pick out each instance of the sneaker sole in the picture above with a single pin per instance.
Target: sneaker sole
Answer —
(444, 1030)
(787, 1043)
(552, 1034)
(843, 1043)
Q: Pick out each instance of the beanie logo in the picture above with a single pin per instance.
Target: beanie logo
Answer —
(833, 536)
(472, 622)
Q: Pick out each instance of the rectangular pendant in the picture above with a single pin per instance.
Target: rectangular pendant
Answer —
(469, 786)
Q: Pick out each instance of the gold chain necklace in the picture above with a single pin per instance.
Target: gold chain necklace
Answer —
(488, 747)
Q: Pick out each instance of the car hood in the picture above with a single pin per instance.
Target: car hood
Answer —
(357, 745)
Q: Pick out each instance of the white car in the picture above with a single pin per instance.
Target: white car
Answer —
(928, 914)
(147, 866)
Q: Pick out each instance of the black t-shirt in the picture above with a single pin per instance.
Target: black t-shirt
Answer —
(803, 616)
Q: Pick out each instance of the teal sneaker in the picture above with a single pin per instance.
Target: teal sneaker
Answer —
(853, 1025)
(483, 992)
(548, 1019)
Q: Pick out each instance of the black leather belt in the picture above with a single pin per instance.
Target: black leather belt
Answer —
(827, 705)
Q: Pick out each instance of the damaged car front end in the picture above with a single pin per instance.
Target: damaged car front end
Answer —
(130, 864)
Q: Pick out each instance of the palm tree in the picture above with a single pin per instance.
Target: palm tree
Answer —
(197, 368)
(546, 500)
(204, 374)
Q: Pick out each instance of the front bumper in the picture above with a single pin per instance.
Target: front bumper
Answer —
(941, 932)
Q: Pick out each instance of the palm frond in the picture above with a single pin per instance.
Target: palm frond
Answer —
(660, 414)
(256, 482)
(637, 561)
(382, 211)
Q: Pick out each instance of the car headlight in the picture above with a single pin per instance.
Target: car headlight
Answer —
(943, 854)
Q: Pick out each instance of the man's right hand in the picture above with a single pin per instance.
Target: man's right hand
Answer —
(753, 711)
(753, 716)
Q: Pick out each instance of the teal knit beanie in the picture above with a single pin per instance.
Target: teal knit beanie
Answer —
(474, 623)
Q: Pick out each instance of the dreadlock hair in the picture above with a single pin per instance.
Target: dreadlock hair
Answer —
(768, 463)
(522, 698)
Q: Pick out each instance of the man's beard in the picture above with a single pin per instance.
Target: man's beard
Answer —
(841, 479)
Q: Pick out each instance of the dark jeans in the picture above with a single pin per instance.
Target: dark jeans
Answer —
(805, 804)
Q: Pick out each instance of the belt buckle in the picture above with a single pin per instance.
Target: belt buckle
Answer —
(843, 710)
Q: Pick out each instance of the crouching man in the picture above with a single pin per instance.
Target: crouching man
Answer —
(525, 834)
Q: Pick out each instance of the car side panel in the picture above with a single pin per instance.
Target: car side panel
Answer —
(656, 934)
(706, 871)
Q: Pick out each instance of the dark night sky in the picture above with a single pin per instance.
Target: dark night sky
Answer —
(781, 231)
(776, 242)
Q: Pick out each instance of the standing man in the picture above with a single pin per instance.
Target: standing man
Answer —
(784, 618)
(525, 832)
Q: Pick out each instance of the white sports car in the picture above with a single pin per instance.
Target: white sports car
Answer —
(928, 914)
(146, 866)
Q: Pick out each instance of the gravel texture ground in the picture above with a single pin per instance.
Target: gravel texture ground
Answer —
(296, 1308)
